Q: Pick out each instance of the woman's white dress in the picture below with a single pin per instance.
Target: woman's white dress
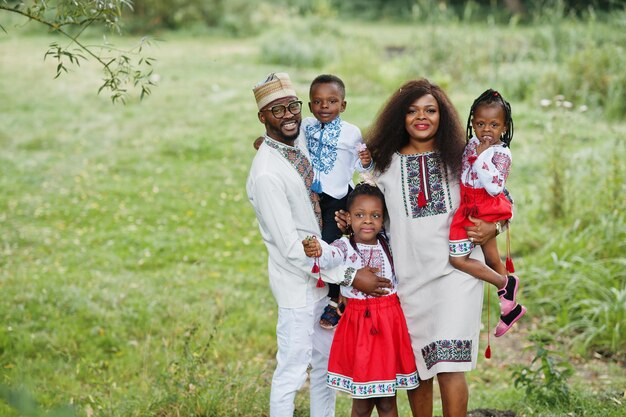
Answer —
(442, 305)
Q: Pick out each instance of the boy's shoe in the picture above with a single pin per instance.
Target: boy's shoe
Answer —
(508, 320)
(330, 316)
(507, 295)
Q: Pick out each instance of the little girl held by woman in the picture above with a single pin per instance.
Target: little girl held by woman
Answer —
(486, 164)
(371, 355)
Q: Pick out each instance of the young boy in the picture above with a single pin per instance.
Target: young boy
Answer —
(336, 149)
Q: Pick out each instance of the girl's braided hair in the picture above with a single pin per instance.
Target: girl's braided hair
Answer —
(487, 98)
(364, 188)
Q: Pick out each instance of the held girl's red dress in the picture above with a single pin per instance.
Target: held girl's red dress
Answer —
(482, 185)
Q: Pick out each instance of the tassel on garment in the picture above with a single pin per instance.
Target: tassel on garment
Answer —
(421, 200)
(488, 350)
(509, 261)
(316, 270)
(509, 265)
(316, 187)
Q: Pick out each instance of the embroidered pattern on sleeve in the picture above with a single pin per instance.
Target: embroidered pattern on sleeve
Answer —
(502, 162)
(347, 277)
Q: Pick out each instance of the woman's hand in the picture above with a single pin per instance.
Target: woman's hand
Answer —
(481, 232)
(369, 283)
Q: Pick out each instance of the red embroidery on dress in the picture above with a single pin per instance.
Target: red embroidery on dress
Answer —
(502, 162)
(343, 248)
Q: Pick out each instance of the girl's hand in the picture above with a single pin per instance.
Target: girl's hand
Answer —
(482, 146)
(481, 232)
(312, 247)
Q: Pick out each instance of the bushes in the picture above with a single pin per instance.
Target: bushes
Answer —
(597, 77)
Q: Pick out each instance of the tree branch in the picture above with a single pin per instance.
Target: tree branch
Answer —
(119, 71)
(57, 28)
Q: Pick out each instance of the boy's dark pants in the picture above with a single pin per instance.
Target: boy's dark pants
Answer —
(330, 231)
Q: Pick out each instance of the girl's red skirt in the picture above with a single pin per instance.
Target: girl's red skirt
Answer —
(478, 203)
(371, 354)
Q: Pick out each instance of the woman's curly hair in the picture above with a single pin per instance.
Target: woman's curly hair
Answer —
(388, 134)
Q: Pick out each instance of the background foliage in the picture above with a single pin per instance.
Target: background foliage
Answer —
(131, 270)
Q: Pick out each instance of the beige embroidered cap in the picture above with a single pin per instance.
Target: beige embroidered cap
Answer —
(276, 85)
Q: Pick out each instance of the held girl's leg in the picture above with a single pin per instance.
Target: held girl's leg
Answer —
(387, 406)
(421, 399)
(492, 256)
(362, 407)
(454, 394)
(478, 269)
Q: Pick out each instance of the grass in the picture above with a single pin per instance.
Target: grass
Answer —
(131, 270)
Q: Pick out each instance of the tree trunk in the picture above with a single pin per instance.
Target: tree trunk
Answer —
(515, 6)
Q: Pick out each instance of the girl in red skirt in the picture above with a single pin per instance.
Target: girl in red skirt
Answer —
(371, 355)
(486, 164)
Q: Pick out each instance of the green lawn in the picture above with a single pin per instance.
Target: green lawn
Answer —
(132, 274)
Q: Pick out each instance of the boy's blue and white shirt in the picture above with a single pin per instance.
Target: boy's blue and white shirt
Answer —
(334, 155)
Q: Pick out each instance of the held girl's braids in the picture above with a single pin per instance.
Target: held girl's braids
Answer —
(492, 97)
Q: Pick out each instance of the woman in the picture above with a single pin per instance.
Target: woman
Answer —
(416, 143)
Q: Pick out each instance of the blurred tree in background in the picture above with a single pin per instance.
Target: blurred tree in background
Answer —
(126, 69)
(241, 17)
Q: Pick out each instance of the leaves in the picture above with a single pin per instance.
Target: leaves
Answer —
(123, 69)
(545, 379)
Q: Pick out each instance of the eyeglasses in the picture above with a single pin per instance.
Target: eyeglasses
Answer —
(279, 110)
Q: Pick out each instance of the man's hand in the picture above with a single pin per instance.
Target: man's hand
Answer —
(368, 282)
(341, 217)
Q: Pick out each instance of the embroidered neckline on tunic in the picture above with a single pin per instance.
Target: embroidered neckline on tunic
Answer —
(415, 154)
(438, 188)
(321, 140)
(301, 164)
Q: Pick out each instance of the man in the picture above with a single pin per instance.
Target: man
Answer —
(279, 188)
